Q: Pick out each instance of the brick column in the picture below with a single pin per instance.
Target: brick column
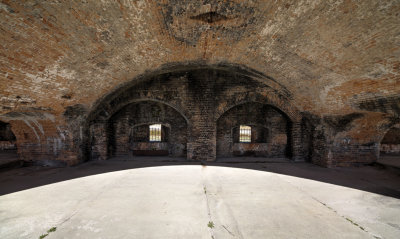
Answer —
(99, 143)
(202, 144)
(296, 141)
(202, 140)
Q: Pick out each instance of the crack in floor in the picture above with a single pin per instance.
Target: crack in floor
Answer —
(210, 228)
(209, 213)
(217, 198)
(92, 199)
(228, 230)
(333, 210)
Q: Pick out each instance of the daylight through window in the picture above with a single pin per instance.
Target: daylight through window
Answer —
(155, 133)
(245, 134)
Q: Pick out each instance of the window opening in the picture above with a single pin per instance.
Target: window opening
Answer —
(245, 134)
(155, 133)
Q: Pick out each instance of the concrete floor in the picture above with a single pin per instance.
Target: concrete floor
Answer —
(119, 199)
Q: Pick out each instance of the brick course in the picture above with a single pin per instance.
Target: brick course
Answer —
(333, 69)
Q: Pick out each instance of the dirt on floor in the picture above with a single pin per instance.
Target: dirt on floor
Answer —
(371, 178)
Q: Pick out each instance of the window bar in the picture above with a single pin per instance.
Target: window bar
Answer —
(245, 134)
(155, 133)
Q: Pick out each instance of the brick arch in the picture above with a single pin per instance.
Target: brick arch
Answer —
(361, 142)
(21, 128)
(294, 118)
(387, 129)
(269, 91)
(292, 115)
(114, 110)
(280, 91)
(266, 96)
(34, 130)
(101, 148)
(382, 136)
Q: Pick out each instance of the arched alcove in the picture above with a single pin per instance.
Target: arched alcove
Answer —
(129, 130)
(269, 132)
(7, 137)
(201, 94)
(390, 144)
(8, 146)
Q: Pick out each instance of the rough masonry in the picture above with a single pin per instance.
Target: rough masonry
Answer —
(79, 79)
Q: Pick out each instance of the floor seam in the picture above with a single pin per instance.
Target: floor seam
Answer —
(93, 198)
(210, 223)
(333, 210)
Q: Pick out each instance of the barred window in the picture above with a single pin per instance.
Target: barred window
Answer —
(155, 132)
(245, 134)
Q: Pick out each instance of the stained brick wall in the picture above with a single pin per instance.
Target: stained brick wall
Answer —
(345, 140)
(390, 143)
(201, 97)
(7, 137)
(6, 133)
(264, 120)
(61, 61)
(130, 129)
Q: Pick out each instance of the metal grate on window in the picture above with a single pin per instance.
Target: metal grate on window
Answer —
(245, 134)
(155, 133)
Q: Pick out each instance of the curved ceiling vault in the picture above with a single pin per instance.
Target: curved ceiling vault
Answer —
(333, 56)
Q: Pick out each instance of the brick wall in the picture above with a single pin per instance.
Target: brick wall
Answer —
(6, 133)
(130, 129)
(390, 143)
(269, 131)
(7, 145)
(197, 98)
(200, 96)
(61, 60)
(7, 137)
(345, 140)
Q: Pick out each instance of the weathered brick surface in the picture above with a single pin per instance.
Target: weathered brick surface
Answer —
(7, 137)
(348, 139)
(201, 96)
(7, 145)
(61, 60)
(6, 133)
(130, 129)
(264, 120)
(390, 143)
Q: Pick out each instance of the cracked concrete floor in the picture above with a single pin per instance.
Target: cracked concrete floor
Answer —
(181, 201)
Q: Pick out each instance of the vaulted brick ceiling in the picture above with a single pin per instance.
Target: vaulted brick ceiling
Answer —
(333, 56)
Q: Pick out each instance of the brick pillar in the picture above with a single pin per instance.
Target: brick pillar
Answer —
(202, 140)
(202, 143)
(296, 141)
(99, 141)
